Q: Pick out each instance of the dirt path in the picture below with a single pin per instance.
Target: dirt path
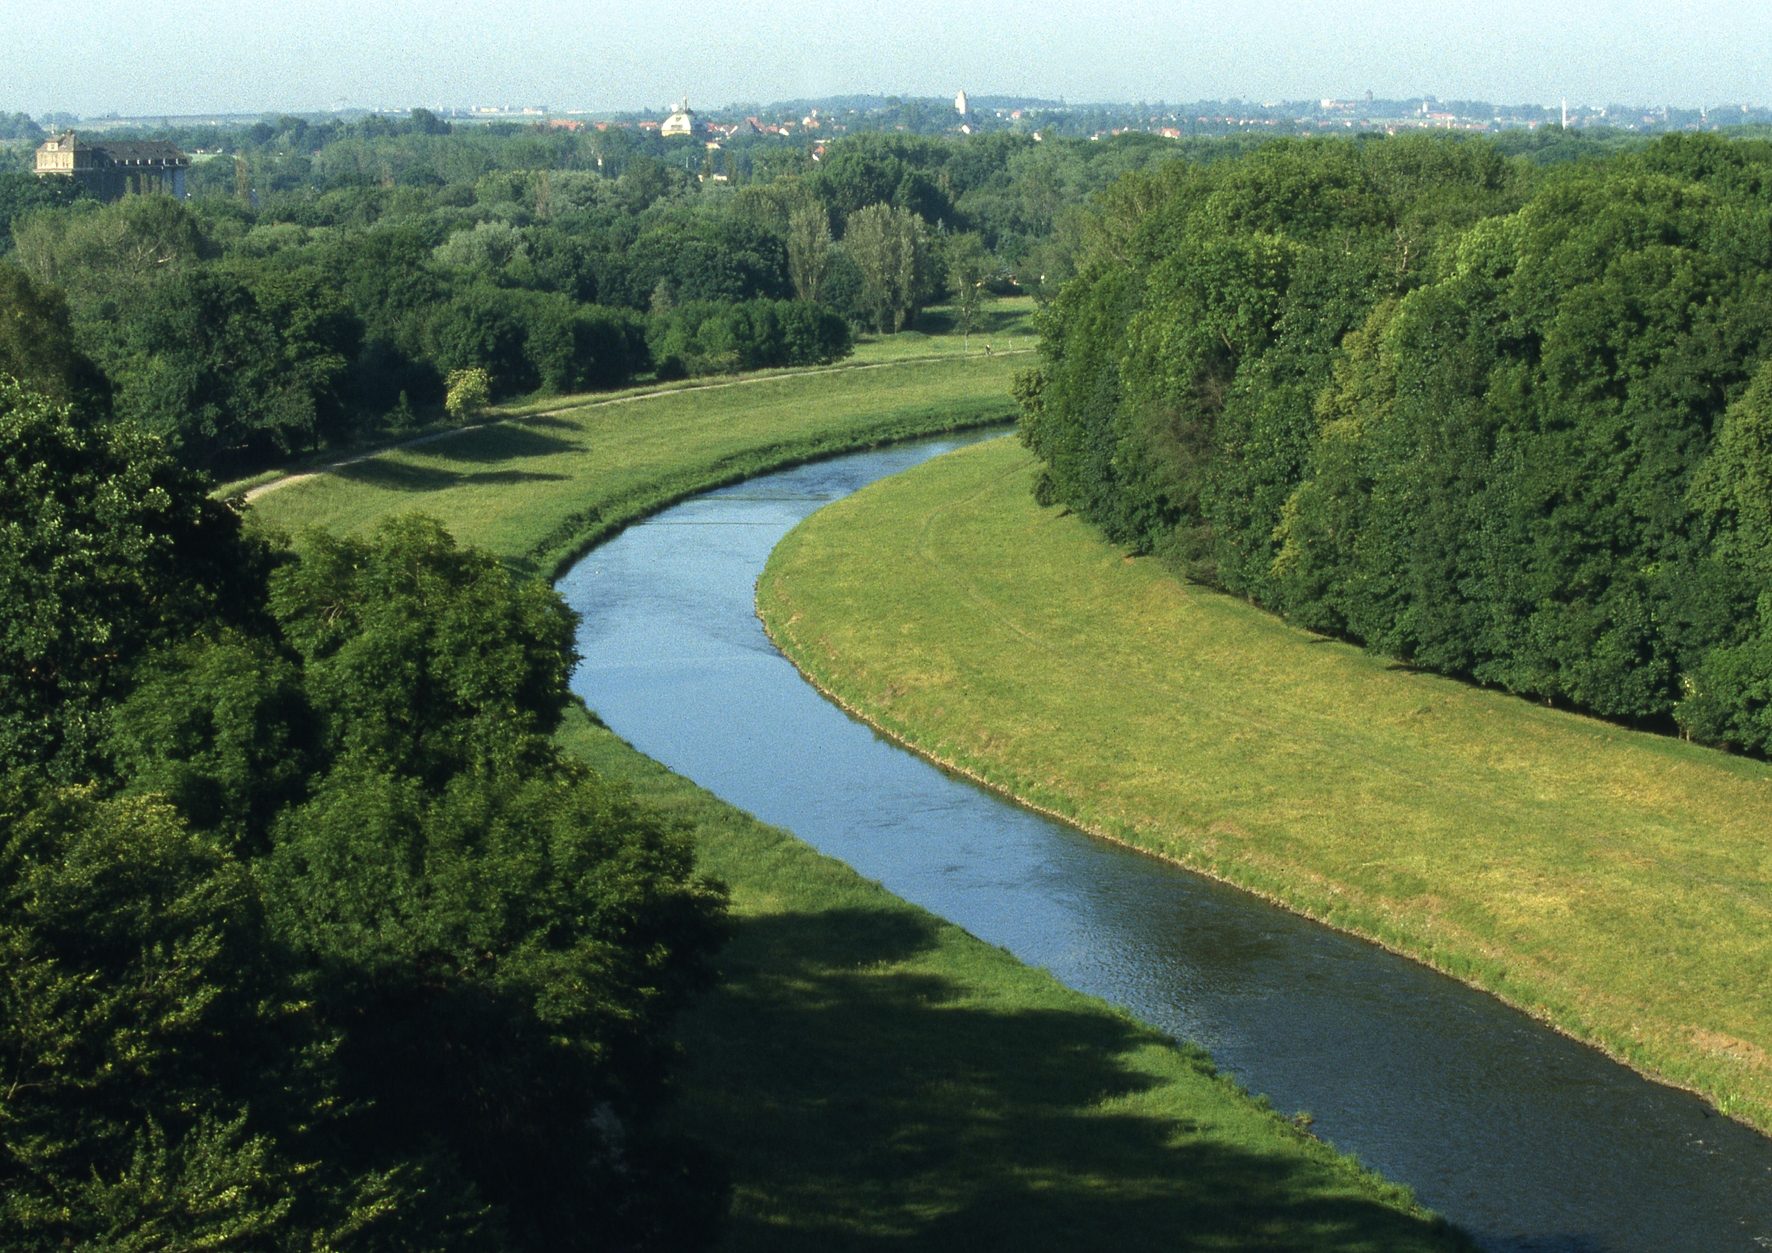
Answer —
(290, 480)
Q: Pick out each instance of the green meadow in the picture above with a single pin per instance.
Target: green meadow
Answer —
(542, 486)
(876, 1078)
(1617, 884)
(871, 1076)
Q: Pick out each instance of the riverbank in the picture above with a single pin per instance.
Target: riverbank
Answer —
(874, 1077)
(543, 488)
(1612, 883)
(871, 1076)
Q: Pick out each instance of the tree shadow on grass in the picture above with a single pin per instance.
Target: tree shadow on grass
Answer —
(403, 476)
(499, 443)
(867, 1099)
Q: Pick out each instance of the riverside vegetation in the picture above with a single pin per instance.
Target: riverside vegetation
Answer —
(416, 965)
(1503, 431)
(319, 932)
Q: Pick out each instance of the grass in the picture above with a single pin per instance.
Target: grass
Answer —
(873, 1077)
(876, 1078)
(541, 489)
(1002, 333)
(1616, 884)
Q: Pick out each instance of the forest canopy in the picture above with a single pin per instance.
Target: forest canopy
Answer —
(326, 279)
(1496, 420)
(309, 937)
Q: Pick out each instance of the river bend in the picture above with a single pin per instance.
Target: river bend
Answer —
(1525, 1138)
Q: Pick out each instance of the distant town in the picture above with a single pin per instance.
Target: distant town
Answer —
(964, 114)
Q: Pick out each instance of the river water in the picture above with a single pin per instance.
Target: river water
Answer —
(1528, 1140)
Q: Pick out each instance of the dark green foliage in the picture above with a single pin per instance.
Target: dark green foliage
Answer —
(527, 340)
(222, 727)
(141, 1026)
(108, 549)
(506, 957)
(38, 347)
(710, 338)
(327, 947)
(425, 659)
(1727, 697)
(1410, 393)
(21, 194)
(226, 371)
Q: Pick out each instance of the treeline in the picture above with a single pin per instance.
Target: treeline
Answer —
(326, 280)
(309, 938)
(1496, 420)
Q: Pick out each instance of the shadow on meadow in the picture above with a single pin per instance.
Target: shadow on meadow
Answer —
(500, 443)
(867, 1100)
(403, 476)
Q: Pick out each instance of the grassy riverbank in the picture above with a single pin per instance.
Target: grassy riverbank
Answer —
(1615, 883)
(543, 488)
(874, 1077)
(877, 1078)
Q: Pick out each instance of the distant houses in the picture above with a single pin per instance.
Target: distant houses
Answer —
(112, 169)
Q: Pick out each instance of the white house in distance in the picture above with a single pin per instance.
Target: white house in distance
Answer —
(682, 121)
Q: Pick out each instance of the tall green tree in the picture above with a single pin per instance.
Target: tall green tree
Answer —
(890, 247)
(108, 549)
(38, 346)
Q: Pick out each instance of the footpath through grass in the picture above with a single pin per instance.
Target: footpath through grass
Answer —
(873, 1077)
(1617, 884)
(541, 489)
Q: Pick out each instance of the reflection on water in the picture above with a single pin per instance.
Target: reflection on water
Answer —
(1525, 1138)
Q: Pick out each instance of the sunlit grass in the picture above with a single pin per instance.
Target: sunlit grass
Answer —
(1616, 883)
(874, 1077)
(540, 489)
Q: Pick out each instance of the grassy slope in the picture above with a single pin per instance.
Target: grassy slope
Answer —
(1618, 884)
(875, 1077)
(542, 489)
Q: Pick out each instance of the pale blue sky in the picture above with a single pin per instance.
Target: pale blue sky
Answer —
(188, 56)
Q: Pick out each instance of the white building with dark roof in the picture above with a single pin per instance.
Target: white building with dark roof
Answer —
(112, 169)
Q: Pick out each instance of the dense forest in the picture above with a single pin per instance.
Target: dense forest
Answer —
(1496, 419)
(324, 281)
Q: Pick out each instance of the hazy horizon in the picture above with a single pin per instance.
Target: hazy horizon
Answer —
(182, 57)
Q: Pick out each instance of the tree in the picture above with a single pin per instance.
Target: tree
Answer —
(201, 365)
(147, 1044)
(970, 268)
(809, 249)
(108, 549)
(423, 658)
(22, 194)
(891, 249)
(111, 254)
(38, 346)
(470, 391)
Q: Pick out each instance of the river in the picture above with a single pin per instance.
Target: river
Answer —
(1528, 1140)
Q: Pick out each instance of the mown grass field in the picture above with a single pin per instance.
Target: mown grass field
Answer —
(541, 488)
(1617, 884)
(872, 1077)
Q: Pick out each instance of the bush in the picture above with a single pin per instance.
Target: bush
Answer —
(705, 337)
(469, 392)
